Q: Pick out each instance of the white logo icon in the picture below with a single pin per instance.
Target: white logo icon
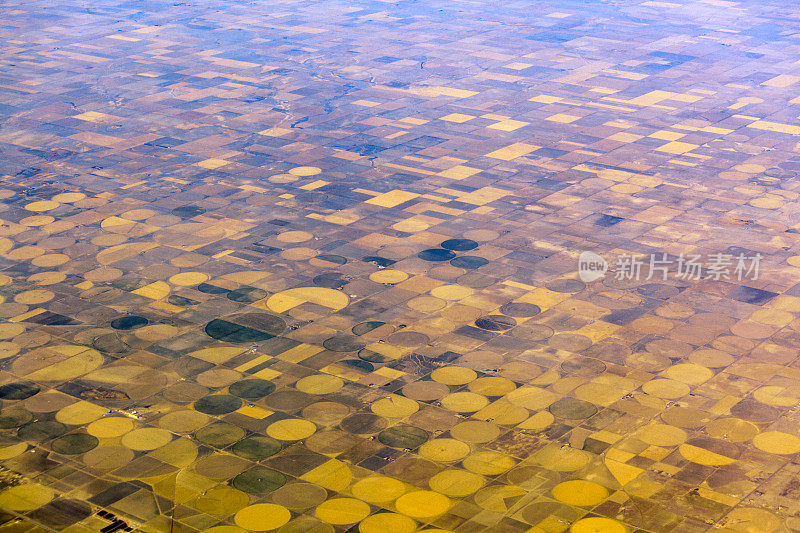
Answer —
(591, 267)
